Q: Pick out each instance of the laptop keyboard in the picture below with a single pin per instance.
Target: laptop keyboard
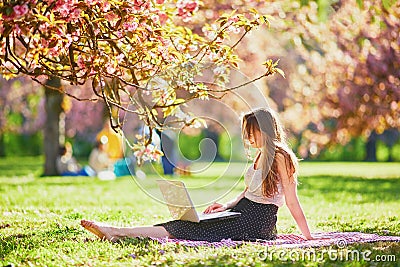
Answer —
(214, 215)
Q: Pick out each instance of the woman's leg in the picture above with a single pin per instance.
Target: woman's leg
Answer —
(112, 233)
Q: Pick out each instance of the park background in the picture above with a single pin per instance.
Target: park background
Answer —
(339, 102)
(339, 98)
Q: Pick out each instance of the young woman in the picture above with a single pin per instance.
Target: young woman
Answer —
(269, 183)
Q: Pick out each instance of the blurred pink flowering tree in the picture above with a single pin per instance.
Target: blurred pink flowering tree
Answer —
(342, 69)
(21, 105)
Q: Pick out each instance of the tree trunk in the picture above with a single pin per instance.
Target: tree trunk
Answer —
(371, 147)
(51, 129)
(2, 146)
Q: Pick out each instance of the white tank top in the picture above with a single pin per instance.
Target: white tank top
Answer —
(253, 181)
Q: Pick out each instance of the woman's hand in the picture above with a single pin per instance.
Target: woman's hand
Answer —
(216, 207)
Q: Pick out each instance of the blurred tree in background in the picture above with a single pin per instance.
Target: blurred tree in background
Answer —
(20, 119)
(341, 60)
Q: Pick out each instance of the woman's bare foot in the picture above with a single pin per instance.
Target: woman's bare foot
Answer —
(102, 231)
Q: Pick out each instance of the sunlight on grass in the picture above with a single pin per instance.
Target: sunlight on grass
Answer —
(40, 216)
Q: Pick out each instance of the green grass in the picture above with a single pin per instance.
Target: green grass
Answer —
(39, 223)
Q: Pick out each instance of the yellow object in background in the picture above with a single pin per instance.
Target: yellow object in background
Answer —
(112, 142)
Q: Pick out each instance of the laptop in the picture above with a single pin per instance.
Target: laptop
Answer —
(181, 206)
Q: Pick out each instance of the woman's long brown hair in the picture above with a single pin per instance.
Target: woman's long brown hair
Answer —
(273, 140)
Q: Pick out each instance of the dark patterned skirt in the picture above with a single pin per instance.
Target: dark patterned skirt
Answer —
(257, 221)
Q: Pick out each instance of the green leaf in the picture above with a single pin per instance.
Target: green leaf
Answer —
(179, 101)
(267, 19)
(253, 10)
(267, 63)
(8, 10)
(222, 23)
(169, 111)
(41, 17)
(278, 70)
(98, 20)
(8, 75)
(387, 4)
(222, 18)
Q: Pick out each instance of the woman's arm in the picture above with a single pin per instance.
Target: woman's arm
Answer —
(233, 202)
(292, 200)
(217, 207)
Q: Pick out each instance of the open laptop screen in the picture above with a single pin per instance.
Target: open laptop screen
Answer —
(176, 197)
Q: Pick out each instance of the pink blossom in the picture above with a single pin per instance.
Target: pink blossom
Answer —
(55, 51)
(219, 70)
(138, 153)
(210, 34)
(181, 12)
(75, 15)
(45, 43)
(111, 17)
(20, 10)
(120, 57)
(191, 6)
(155, 156)
(119, 34)
(160, 2)
(106, 6)
(17, 29)
(130, 26)
(233, 29)
(66, 8)
(141, 4)
(42, 77)
(193, 48)
(10, 17)
(81, 62)
(67, 43)
(8, 65)
(43, 27)
(180, 4)
(110, 68)
(155, 18)
(91, 2)
(186, 8)
(234, 19)
(163, 18)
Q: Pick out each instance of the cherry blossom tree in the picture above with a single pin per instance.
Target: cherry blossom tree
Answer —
(342, 72)
(139, 56)
(368, 98)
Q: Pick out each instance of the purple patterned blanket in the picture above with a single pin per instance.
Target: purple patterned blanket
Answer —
(340, 239)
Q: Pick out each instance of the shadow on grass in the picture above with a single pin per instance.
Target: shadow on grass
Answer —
(30, 241)
(358, 189)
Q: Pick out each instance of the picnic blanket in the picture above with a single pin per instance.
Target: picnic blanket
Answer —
(340, 239)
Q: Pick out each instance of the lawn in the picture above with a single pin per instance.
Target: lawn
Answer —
(40, 215)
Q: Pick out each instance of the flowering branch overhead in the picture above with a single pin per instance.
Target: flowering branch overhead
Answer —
(133, 52)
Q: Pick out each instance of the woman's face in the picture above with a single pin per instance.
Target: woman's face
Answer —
(255, 138)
